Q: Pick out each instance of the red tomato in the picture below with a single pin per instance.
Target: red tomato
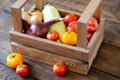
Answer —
(89, 36)
(22, 70)
(69, 18)
(92, 25)
(72, 26)
(54, 36)
(59, 69)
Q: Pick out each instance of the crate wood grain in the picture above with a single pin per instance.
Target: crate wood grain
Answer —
(77, 58)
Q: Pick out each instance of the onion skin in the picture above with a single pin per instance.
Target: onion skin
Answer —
(41, 29)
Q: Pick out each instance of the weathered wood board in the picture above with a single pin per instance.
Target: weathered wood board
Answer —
(102, 63)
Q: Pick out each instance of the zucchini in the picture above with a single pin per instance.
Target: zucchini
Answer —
(49, 13)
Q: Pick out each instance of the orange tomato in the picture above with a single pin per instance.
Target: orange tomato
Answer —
(14, 59)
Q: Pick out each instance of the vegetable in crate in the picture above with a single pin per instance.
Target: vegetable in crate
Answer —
(72, 26)
(25, 25)
(41, 29)
(69, 38)
(36, 16)
(25, 16)
(69, 18)
(49, 13)
(54, 36)
(89, 36)
(32, 17)
(92, 25)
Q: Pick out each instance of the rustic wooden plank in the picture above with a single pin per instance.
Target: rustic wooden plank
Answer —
(42, 75)
(94, 52)
(112, 33)
(50, 59)
(39, 4)
(97, 37)
(81, 34)
(93, 9)
(10, 74)
(90, 10)
(16, 14)
(98, 12)
(64, 12)
(41, 72)
(114, 59)
(16, 18)
(108, 59)
(19, 4)
(110, 8)
(5, 20)
(5, 72)
(51, 46)
(4, 43)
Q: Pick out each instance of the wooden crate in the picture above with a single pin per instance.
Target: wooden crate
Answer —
(77, 58)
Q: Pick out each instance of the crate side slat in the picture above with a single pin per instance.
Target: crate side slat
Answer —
(95, 42)
(64, 12)
(90, 11)
(16, 14)
(81, 36)
(50, 59)
(50, 46)
(19, 4)
(39, 4)
(16, 19)
(98, 12)
(94, 53)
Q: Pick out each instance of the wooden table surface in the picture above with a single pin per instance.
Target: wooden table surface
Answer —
(106, 65)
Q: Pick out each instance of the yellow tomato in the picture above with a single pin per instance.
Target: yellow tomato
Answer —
(14, 59)
(69, 37)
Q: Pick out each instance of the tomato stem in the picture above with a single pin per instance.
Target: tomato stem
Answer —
(14, 56)
(59, 63)
(21, 65)
(69, 32)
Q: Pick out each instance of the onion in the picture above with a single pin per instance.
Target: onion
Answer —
(35, 19)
